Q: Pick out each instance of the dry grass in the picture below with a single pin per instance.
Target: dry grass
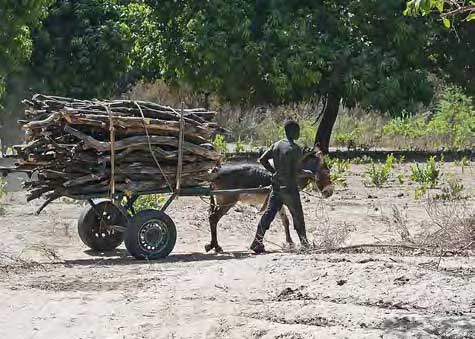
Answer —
(397, 223)
(330, 235)
(451, 225)
(11, 264)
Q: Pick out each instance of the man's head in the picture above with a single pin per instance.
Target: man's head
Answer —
(292, 130)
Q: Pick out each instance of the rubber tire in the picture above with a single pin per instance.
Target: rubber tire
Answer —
(89, 220)
(132, 235)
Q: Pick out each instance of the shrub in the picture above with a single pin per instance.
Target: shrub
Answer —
(220, 144)
(354, 130)
(464, 162)
(454, 119)
(401, 178)
(380, 173)
(406, 125)
(427, 175)
(452, 125)
(149, 201)
(337, 170)
(361, 160)
(240, 147)
(307, 132)
(453, 189)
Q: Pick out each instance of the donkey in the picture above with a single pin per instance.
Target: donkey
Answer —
(253, 176)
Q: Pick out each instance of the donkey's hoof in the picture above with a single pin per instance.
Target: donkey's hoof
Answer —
(209, 247)
(218, 249)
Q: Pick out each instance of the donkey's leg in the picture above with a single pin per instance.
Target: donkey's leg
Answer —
(216, 214)
(286, 223)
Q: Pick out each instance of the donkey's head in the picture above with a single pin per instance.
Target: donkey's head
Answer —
(313, 160)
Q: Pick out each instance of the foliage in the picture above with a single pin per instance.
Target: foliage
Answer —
(463, 163)
(452, 125)
(17, 19)
(401, 178)
(355, 132)
(220, 144)
(269, 130)
(338, 168)
(83, 48)
(453, 189)
(406, 125)
(446, 8)
(379, 174)
(149, 201)
(286, 51)
(240, 147)
(454, 118)
(361, 160)
(427, 175)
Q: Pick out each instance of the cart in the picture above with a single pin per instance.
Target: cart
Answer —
(148, 234)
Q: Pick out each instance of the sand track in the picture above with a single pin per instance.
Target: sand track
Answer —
(73, 293)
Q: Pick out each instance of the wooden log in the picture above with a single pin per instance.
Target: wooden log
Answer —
(154, 126)
(103, 146)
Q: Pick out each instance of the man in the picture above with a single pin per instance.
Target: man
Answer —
(286, 156)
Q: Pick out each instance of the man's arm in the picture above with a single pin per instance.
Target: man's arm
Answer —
(264, 160)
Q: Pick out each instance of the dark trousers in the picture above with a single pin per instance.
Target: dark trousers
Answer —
(278, 198)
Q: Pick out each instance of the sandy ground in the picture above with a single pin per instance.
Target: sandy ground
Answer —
(74, 293)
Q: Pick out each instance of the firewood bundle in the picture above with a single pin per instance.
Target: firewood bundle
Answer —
(69, 147)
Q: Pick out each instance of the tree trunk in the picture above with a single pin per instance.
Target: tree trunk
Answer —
(328, 120)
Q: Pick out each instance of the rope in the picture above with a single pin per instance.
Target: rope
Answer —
(112, 142)
(150, 147)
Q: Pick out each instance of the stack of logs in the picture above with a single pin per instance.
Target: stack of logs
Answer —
(68, 146)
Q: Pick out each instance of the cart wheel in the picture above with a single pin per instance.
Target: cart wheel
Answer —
(95, 231)
(151, 234)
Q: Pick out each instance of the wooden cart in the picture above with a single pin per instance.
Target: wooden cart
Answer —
(148, 234)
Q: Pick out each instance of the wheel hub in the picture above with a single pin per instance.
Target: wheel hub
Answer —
(152, 236)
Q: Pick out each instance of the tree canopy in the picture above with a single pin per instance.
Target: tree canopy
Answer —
(17, 19)
(363, 53)
(447, 9)
(358, 52)
(82, 49)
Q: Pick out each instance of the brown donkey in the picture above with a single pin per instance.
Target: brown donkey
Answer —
(252, 176)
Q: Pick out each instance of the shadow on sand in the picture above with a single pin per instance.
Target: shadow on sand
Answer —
(120, 257)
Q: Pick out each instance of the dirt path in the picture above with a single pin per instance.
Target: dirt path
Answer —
(77, 294)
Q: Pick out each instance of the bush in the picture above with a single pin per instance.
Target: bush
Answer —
(452, 125)
(454, 119)
(240, 147)
(149, 201)
(380, 173)
(453, 189)
(337, 170)
(354, 131)
(220, 144)
(426, 175)
(406, 125)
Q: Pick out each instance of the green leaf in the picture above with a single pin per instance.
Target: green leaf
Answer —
(446, 22)
(440, 6)
(470, 17)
